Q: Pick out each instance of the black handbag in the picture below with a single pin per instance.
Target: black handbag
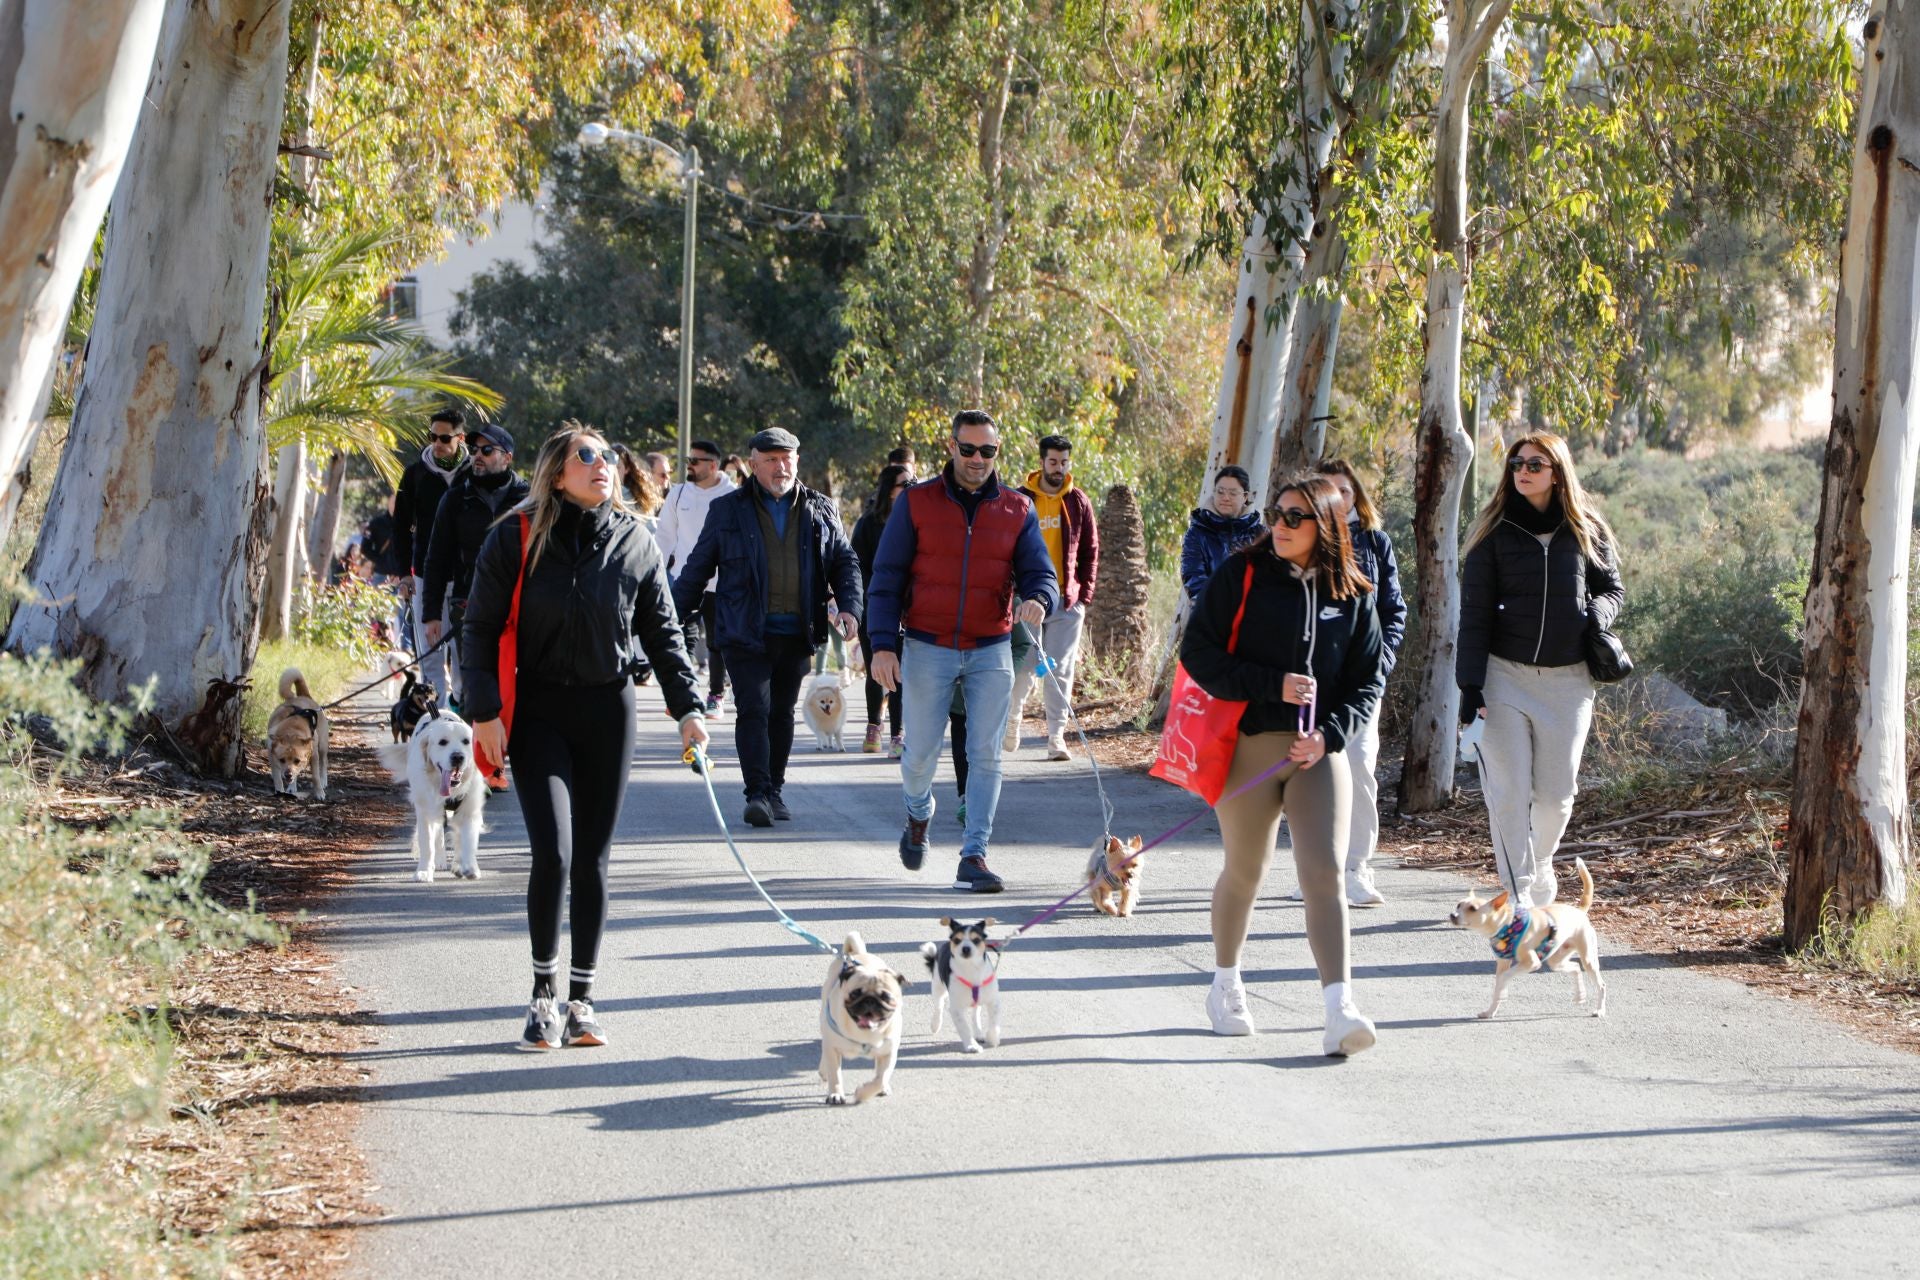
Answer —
(1607, 659)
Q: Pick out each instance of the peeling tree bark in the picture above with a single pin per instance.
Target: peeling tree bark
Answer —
(326, 520)
(1445, 448)
(71, 75)
(992, 236)
(1848, 837)
(151, 557)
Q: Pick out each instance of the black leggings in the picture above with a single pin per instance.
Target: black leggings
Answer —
(875, 692)
(572, 750)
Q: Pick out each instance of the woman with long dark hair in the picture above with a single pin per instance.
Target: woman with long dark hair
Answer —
(593, 599)
(895, 479)
(1307, 664)
(1540, 571)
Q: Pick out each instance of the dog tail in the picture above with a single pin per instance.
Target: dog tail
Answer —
(1586, 883)
(292, 682)
(855, 945)
(930, 952)
(394, 756)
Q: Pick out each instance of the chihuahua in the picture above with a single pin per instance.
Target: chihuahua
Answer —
(1557, 936)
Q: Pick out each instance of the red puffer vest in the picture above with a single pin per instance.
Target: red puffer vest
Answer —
(963, 577)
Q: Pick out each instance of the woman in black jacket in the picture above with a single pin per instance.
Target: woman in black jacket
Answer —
(1540, 571)
(895, 479)
(1307, 664)
(594, 599)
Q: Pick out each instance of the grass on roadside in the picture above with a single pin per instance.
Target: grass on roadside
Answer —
(330, 672)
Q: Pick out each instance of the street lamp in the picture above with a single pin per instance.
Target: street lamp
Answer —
(688, 165)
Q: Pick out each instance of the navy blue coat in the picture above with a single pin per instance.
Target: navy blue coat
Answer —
(1211, 538)
(731, 545)
(1373, 552)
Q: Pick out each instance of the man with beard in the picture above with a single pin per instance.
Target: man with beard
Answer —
(415, 504)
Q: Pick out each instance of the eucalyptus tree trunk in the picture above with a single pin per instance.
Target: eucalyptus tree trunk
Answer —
(326, 520)
(1848, 835)
(71, 75)
(1273, 260)
(1444, 447)
(151, 554)
(992, 235)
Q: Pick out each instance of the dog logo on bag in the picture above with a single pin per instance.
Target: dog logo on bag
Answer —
(1177, 747)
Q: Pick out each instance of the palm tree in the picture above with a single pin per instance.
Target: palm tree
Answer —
(344, 378)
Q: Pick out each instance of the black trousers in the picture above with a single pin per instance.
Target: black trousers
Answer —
(875, 693)
(716, 664)
(766, 689)
(572, 750)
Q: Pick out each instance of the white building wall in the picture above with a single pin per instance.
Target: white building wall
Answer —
(516, 229)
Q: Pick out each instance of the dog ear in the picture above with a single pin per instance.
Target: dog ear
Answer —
(946, 922)
(984, 923)
(847, 970)
(1498, 900)
(420, 742)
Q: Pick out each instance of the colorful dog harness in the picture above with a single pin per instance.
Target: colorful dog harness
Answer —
(975, 987)
(1507, 941)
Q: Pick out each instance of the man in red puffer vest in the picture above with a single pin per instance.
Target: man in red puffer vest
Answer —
(956, 553)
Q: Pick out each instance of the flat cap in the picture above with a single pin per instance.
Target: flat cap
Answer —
(773, 438)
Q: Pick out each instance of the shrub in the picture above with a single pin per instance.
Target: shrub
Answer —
(343, 616)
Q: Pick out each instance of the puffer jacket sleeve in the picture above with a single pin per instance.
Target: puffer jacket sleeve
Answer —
(1479, 599)
(656, 624)
(495, 572)
(1605, 594)
(1203, 650)
(1194, 568)
(1361, 680)
(442, 558)
(1389, 603)
(697, 566)
(1033, 575)
(887, 589)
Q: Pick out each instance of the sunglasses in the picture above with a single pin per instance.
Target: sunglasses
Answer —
(488, 450)
(696, 459)
(588, 455)
(1532, 466)
(437, 438)
(1293, 517)
(968, 450)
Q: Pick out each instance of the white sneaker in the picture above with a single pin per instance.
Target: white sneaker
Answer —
(1012, 741)
(1227, 1006)
(1057, 748)
(1348, 1032)
(1361, 892)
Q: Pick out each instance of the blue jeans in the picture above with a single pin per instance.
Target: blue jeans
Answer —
(928, 674)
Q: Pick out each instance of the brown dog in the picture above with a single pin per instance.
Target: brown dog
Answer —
(297, 737)
(1558, 936)
(1115, 872)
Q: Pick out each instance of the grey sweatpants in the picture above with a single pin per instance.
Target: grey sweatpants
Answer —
(1537, 722)
(1316, 802)
(1059, 640)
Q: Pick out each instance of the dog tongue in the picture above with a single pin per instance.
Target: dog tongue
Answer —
(447, 777)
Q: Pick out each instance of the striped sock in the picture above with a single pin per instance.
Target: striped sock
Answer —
(580, 984)
(543, 975)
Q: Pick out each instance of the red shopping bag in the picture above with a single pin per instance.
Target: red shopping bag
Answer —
(1202, 731)
(509, 666)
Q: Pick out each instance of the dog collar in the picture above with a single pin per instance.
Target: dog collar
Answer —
(1106, 876)
(974, 987)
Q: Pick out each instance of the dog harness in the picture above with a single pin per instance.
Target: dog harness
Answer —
(1107, 879)
(975, 987)
(1507, 941)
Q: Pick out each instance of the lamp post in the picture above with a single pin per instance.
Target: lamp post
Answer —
(688, 162)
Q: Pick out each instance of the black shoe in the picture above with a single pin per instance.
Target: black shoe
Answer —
(974, 877)
(913, 843)
(759, 812)
(779, 808)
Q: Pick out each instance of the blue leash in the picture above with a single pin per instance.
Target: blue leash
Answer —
(1047, 667)
(698, 759)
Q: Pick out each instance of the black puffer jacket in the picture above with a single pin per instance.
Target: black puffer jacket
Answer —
(597, 597)
(1291, 627)
(471, 506)
(1528, 600)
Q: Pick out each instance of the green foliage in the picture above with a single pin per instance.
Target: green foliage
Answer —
(99, 916)
(330, 672)
(341, 616)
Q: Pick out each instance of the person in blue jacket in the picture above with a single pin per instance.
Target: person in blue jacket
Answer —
(1219, 529)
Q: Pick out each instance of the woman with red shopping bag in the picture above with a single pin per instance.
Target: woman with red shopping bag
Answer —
(587, 590)
(1287, 627)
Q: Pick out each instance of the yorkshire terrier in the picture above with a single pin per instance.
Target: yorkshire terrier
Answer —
(1115, 872)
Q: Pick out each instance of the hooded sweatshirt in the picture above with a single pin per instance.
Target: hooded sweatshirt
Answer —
(1071, 534)
(415, 504)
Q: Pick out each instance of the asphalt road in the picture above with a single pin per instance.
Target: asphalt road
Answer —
(1699, 1130)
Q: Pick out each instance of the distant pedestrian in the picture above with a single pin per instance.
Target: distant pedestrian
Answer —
(1072, 535)
(895, 479)
(781, 554)
(473, 504)
(1540, 571)
(736, 470)
(415, 504)
(1225, 524)
(1307, 664)
(956, 554)
(659, 469)
(682, 516)
(594, 599)
(903, 456)
(637, 486)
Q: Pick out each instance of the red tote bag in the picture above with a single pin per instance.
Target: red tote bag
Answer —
(509, 666)
(1197, 744)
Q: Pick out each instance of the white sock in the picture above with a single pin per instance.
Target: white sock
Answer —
(1335, 994)
(1226, 976)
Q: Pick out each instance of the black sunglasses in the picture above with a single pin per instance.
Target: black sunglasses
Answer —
(437, 438)
(1293, 517)
(589, 455)
(488, 450)
(1532, 466)
(694, 457)
(968, 450)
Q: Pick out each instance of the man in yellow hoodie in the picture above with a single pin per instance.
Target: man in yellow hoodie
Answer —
(1072, 535)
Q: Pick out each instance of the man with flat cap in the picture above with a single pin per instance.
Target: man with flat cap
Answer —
(781, 555)
(477, 495)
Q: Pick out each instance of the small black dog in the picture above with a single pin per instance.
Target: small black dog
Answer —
(417, 702)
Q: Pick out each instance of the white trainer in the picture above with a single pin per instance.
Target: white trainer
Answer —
(1012, 741)
(1348, 1032)
(1227, 1006)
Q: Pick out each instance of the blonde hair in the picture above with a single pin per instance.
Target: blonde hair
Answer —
(1590, 528)
(541, 506)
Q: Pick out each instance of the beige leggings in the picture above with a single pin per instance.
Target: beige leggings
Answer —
(1318, 804)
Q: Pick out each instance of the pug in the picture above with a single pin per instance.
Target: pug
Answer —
(859, 1018)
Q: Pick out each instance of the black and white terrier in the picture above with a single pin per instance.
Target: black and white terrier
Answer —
(966, 972)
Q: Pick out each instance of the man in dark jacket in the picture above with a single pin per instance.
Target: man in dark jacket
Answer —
(415, 503)
(780, 552)
(956, 553)
(1072, 536)
(480, 493)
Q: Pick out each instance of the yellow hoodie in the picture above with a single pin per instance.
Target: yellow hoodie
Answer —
(1051, 509)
